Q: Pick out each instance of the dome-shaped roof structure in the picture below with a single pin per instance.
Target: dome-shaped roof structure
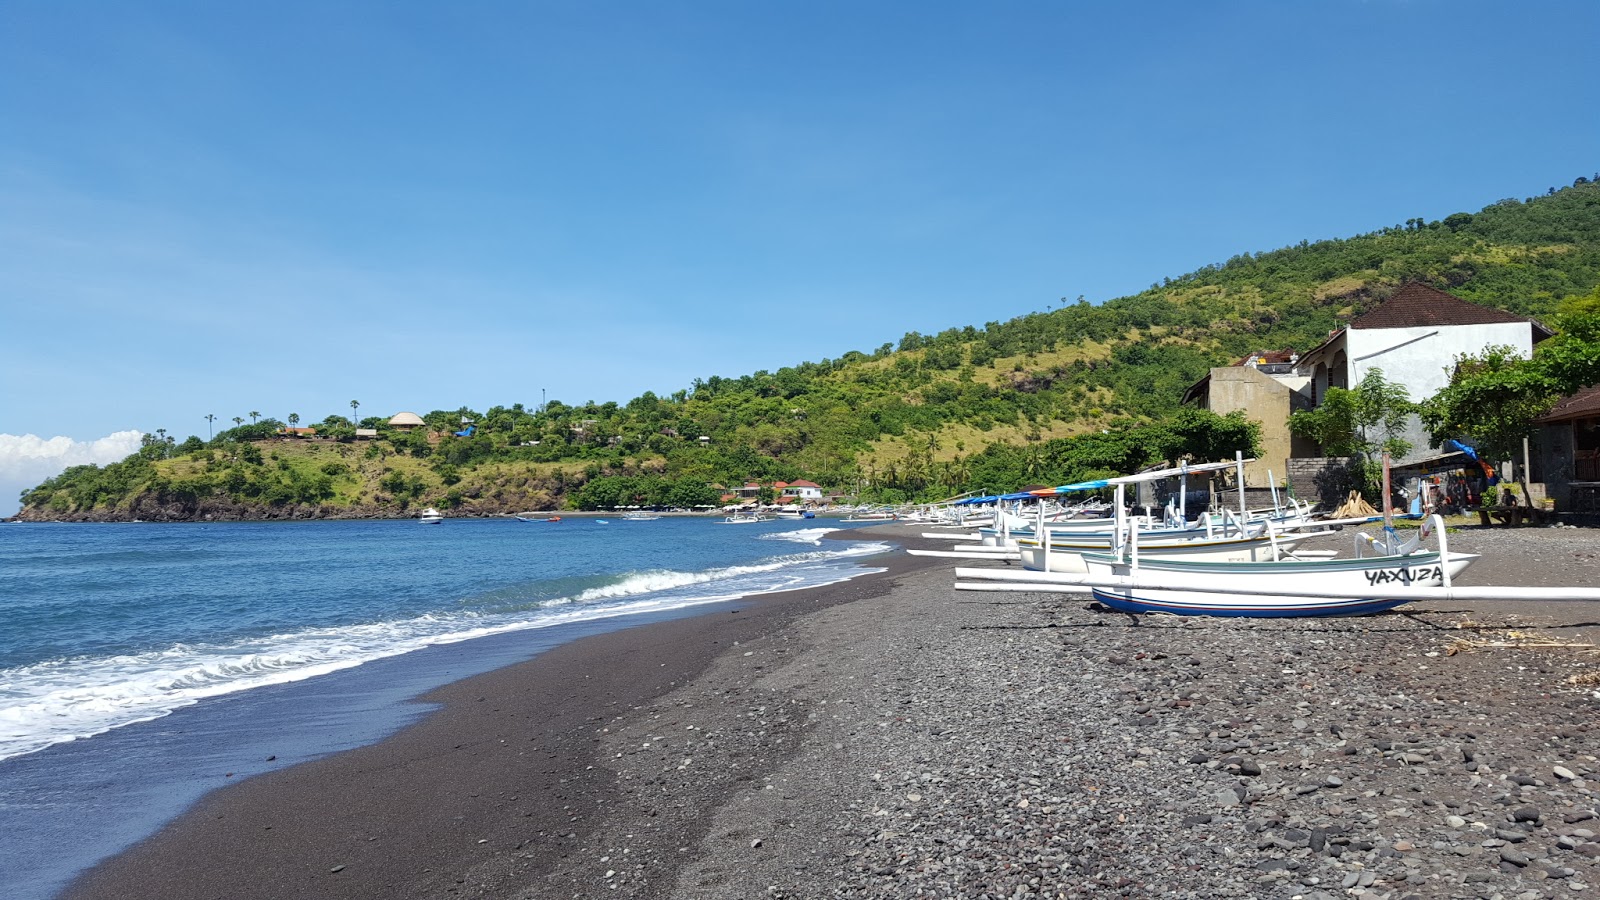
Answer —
(406, 419)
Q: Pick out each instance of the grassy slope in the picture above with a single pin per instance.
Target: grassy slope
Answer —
(944, 397)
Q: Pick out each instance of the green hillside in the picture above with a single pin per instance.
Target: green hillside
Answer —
(1046, 397)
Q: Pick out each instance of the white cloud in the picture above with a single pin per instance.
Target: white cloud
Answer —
(27, 459)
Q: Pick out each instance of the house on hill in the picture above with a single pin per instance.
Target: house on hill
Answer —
(406, 421)
(1414, 337)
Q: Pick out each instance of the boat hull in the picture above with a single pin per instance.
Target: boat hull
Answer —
(1214, 588)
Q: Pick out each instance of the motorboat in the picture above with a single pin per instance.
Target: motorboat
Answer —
(430, 516)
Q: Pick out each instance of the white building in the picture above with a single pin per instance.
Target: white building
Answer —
(1414, 337)
(803, 490)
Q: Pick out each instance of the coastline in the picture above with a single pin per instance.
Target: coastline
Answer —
(497, 752)
(886, 736)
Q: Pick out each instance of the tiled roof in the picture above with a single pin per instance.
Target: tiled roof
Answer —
(1581, 405)
(1418, 306)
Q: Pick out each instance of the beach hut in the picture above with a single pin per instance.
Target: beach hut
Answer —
(406, 421)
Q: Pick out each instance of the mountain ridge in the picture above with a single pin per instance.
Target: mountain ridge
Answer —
(930, 415)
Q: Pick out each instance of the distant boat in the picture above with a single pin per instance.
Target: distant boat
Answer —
(796, 514)
(879, 515)
(639, 517)
(537, 517)
(743, 519)
(430, 516)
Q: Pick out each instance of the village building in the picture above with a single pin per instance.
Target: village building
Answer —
(1267, 387)
(406, 421)
(802, 490)
(1414, 338)
(1569, 453)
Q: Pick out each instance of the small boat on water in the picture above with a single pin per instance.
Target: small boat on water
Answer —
(430, 516)
(874, 515)
(639, 517)
(536, 517)
(743, 519)
(796, 514)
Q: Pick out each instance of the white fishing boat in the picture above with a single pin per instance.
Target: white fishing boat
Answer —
(792, 514)
(1069, 556)
(639, 517)
(743, 519)
(1200, 587)
(430, 516)
(1385, 572)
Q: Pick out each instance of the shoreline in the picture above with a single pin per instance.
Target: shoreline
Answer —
(925, 741)
(326, 514)
(537, 711)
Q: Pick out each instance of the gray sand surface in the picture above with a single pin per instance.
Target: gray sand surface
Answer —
(892, 737)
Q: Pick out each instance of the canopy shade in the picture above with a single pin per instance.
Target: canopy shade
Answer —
(1151, 475)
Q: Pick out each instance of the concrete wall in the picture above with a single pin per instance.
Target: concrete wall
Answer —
(1266, 400)
(1422, 358)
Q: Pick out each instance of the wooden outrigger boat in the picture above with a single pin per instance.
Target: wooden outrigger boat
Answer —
(1129, 580)
(1285, 588)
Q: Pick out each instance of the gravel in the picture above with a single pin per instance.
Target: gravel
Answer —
(930, 743)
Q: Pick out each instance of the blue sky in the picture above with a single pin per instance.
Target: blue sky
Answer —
(217, 208)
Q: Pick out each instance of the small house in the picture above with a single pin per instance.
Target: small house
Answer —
(406, 421)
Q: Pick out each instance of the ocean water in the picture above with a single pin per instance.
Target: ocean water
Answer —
(140, 664)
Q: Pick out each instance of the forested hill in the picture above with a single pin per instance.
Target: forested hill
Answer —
(977, 407)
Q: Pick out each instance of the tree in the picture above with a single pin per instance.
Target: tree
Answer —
(294, 420)
(254, 416)
(1492, 399)
(210, 417)
(238, 420)
(1495, 395)
(354, 405)
(1361, 422)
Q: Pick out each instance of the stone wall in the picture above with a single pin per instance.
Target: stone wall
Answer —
(1327, 480)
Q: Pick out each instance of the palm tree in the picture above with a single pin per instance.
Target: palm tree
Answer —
(210, 418)
(238, 420)
(254, 416)
(294, 419)
(354, 405)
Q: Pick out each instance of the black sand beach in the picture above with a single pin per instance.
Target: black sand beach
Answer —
(890, 737)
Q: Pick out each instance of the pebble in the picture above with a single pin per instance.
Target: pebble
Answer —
(1144, 773)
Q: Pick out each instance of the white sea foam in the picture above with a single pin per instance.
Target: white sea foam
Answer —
(811, 536)
(69, 699)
